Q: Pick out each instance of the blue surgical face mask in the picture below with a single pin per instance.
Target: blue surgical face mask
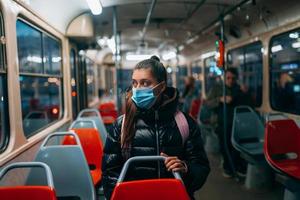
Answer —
(143, 97)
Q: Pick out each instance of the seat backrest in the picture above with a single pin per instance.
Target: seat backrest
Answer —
(96, 117)
(45, 192)
(69, 167)
(108, 112)
(247, 126)
(91, 145)
(282, 137)
(27, 193)
(166, 189)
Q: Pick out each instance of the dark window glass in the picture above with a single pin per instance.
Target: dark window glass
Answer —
(41, 102)
(73, 82)
(196, 73)
(29, 48)
(285, 72)
(4, 131)
(40, 78)
(52, 55)
(212, 73)
(181, 74)
(90, 80)
(248, 61)
(4, 119)
(124, 81)
(109, 74)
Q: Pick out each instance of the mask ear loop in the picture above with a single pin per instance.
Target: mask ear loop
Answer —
(156, 88)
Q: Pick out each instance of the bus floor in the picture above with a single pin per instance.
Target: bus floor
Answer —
(217, 187)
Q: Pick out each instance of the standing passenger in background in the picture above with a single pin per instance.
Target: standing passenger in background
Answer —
(149, 128)
(215, 100)
(189, 94)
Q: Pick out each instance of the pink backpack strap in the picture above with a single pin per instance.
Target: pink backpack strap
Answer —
(182, 125)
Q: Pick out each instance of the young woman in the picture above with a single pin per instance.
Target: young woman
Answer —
(150, 128)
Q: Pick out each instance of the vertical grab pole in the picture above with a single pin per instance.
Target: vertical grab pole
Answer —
(226, 147)
(117, 59)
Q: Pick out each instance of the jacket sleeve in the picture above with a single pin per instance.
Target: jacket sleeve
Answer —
(112, 159)
(195, 159)
(213, 97)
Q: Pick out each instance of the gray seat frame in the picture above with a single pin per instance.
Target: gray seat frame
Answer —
(97, 119)
(69, 167)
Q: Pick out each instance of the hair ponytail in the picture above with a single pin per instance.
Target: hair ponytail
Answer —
(128, 130)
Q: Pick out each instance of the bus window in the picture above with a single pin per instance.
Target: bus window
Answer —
(212, 73)
(181, 74)
(285, 72)
(196, 73)
(40, 78)
(248, 61)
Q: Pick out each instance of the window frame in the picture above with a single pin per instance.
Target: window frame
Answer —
(3, 72)
(44, 74)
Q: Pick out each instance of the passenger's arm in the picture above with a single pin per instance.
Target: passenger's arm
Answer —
(195, 159)
(112, 160)
(213, 97)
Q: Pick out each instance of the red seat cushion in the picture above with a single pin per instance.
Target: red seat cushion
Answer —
(195, 108)
(291, 167)
(27, 193)
(281, 139)
(108, 112)
(154, 189)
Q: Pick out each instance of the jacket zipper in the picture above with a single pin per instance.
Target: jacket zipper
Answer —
(157, 142)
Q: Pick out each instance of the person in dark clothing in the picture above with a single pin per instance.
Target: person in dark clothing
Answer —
(234, 97)
(150, 128)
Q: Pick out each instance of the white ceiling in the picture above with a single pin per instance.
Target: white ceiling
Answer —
(172, 20)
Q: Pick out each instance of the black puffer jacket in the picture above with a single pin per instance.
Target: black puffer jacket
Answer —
(150, 125)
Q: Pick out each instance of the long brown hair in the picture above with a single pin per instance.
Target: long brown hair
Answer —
(160, 74)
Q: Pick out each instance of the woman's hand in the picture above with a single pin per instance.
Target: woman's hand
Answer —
(174, 164)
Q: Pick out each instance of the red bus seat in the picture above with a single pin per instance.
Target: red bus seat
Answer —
(282, 146)
(92, 148)
(108, 112)
(195, 108)
(27, 193)
(164, 189)
(154, 189)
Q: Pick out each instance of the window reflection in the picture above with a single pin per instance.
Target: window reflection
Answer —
(212, 73)
(285, 72)
(40, 99)
(29, 48)
(52, 55)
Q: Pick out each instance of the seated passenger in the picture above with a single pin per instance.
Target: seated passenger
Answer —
(150, 129)
(189, 94)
